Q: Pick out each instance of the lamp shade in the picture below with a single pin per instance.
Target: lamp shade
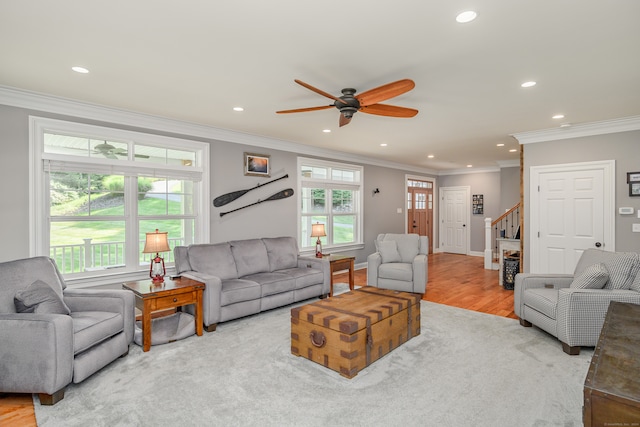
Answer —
(156, 242)
(317, 230)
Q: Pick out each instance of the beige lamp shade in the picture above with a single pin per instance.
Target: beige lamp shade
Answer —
(156, 242)
(317, 230)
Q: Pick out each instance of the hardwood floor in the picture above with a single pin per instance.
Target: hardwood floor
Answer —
(455, 280)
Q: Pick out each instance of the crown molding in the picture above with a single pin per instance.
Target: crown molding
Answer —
(625, 124)
(469, 171)
(53, 104)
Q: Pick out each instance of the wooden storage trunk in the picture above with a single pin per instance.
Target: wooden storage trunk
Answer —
(348, 332)
(612, 386)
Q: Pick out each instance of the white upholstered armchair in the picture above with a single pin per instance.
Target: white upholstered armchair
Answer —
(399, 263)
(573, 307)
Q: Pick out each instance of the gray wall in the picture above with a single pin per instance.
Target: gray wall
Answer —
(509, 188)
(273, 218)
(623, 147)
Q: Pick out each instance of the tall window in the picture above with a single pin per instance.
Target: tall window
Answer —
(331, 194)
(98, 191)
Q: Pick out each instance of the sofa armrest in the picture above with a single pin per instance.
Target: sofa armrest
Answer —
(420, 273)
(109, 300)
(374, 261)
(581, 313)
(321, 264)
(211, 297)
(36, 355)
(524, 281)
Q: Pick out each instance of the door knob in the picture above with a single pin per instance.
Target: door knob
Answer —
(598, 244)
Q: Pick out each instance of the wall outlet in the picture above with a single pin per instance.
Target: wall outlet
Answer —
(635, 228)
(399, 210)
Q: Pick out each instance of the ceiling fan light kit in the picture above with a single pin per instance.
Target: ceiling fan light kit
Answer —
(367, 102)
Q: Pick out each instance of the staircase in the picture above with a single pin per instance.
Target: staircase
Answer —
(502, 239)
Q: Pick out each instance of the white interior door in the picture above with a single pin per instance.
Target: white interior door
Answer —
(571, 210)
(454, 220)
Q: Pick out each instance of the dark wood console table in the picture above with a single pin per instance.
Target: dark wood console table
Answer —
(612, 386)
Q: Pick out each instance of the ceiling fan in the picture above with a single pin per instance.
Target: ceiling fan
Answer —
(111, 152)
(367, 102)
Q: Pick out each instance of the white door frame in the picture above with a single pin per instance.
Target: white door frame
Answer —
(608, 168)
(467, 215)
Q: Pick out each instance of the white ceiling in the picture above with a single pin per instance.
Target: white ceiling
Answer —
(195, 60)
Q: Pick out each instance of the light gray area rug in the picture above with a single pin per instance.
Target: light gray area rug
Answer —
(465, 369)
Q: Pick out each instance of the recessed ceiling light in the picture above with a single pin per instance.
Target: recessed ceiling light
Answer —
(558, 116)
(565, 125)
(513, 150)
(430, 156)
(326, 130)
(499, 145)
(528, 84)
(238, 109)
(469, 166)
(383, 145)
(81, 70)
(466, 16)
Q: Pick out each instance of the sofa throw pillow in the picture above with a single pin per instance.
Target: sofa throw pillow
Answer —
(593, 277)
(40, 298)
(622, 269)
(389, 251)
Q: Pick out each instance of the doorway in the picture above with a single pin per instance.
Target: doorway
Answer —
(420, 203)
(454, 217)
(572, 209)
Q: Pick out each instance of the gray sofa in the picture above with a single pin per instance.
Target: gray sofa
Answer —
(51, 335)
(572, 307)
(246, 277)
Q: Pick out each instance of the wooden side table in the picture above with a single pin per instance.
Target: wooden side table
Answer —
(152, 297)
(339, 263)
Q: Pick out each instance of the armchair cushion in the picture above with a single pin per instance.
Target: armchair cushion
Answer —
(545, 300)
(396, 271)
(40, 298)
(593, 277)
(623, 268)
(389, 251)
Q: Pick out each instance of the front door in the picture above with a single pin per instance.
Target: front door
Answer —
(454, 217)
(420, 209)
(571, 210)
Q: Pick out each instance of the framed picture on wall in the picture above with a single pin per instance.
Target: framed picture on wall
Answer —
(633, 177)
(634, 189)
(257, 164)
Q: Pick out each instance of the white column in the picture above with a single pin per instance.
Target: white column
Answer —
(488, 250)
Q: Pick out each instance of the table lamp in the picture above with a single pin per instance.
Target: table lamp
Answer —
(317, 230)
(156, 242)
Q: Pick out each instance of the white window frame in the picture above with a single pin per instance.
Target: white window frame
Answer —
(39, 186)
(329, 183)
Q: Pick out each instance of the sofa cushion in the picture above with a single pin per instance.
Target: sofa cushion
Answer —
(591, 256)
(593, 277)
(622, 270)
(250, 256)
(215, 260)
(273, 283)
(282, 252)
(389, 251)
(181, 257)
(396, 271)
(408, 245)
(304, 276)
(239, 290)
(543, 300)
(635, 286)
(93, 327)
(40, 298)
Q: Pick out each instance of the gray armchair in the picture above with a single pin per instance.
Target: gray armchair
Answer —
(572, 308)
(52, 335)
(399, 263)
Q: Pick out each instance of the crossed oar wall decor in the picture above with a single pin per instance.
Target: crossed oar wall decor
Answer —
(230, 197)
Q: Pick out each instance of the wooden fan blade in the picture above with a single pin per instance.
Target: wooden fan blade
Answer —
(318, 91)
(385, 92)
(303, 110)
(344, 120)
(389, 110)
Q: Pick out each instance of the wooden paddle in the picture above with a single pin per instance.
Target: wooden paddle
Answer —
(230, 197)
(279, 195)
